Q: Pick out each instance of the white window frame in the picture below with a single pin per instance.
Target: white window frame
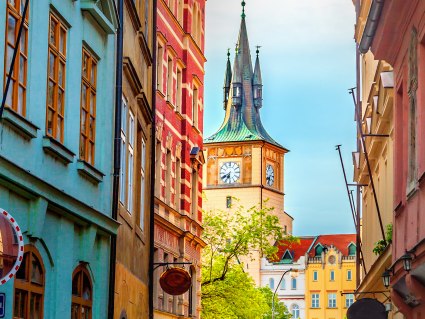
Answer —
(349, 300)
(271, 283)
(142, 185)
(294, 283)
(295, 311)
(130, 171)
(349, 275)
(283, 284)
(332, 300)
(123, 175)
(315, 300)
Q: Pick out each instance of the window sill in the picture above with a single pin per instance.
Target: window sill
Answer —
(178, 113)
(19, 123)
(170, 104)
(196, 129)
(90, 171)
(57, 150)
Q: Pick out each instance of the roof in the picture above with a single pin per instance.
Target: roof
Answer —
(297, 250)
(339, 241)
(242, 121)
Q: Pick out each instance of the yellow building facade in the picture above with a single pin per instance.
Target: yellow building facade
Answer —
(330, 276)
(242, 161)
(377, 118)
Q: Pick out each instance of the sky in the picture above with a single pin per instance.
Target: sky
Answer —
(307, 60)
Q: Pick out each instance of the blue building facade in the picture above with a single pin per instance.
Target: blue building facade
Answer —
(56, 154)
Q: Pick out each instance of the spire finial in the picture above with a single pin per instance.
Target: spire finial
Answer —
(258, 49)
(243, 9)
(228, 53)
(237, 49)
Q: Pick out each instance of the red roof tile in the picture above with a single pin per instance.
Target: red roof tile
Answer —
(339, 241)
(297, 250)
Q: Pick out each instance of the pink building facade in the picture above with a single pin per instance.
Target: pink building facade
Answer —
(395, 32)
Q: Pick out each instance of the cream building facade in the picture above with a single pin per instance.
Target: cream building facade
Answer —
(242, 161)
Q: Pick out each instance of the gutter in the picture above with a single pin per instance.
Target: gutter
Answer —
(152, 171)
(117, 154)
(371, 25)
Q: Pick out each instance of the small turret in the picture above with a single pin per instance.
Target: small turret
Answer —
(227, 80)
(257, 82)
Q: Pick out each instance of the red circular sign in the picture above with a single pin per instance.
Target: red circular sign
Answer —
(175, 281)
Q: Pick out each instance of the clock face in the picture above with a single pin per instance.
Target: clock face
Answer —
(269, 175)
(230, 172)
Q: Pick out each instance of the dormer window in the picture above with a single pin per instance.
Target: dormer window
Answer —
(318, 250)
(258, 92)
(236, 91)
(352, 250)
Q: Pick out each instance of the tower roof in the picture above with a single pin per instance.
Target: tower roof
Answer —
(242, 121)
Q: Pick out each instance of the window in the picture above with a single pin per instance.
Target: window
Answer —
(16, 96)
(294, 283)
(88, 107)
(349, 276)
(295, 310)
(332, 300)
(228, 201)
(315, 275)
(29, 286)
(159, 69)
(285, 229)
(179, 90)
(314, 300)
(142, 158)
(352, 250)
(170, 80)
(194, 192)
(180, 11)
(82, 296)
(123, 152)
(146, 19)
(192, 292)
(169, 171)
(158, 171)
(283, 284)
(349, 300)
(130, 177)
(271, 283)
(195, 106)
(332, 275)
(56, 78)
(318, 250)
(178, 184)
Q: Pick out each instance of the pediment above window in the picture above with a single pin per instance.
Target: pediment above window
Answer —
(103, 11)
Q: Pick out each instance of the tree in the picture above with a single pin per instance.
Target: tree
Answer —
(227, 291)
(280, 310)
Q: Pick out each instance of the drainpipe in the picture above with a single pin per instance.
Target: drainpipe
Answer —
(152, 172)
(117, 155)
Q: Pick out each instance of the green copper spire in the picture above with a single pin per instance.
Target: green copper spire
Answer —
(243, 9)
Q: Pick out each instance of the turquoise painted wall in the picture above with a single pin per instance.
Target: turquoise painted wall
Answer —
(64, 214)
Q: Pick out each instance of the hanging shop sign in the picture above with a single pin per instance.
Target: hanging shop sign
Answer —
(175, 281)
(367, 308)
(11, 246)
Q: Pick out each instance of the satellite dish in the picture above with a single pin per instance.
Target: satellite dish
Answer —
(11, 246)
(175, 281)
(367, 308)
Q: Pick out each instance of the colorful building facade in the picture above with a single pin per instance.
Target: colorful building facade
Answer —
(55, 154)
(377, 118)
(178, 160)
(330, 276)
(132, 265)
(396, 33)
(242, 161)
(292, 288)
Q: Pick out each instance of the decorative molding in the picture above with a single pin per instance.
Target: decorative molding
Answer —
(57, 150)
(132, 75)
(90, 171)
(106, 18)
(19, 124)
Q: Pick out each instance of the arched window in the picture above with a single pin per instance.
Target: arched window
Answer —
(295, 309)
(271, 283)
(82, 294)
(29, 286)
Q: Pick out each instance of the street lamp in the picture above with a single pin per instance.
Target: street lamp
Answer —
(274, 294)
(407, 261)
(386, 277)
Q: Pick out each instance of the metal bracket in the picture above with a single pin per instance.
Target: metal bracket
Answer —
(376, 135)
(384, 292)
(166, 264)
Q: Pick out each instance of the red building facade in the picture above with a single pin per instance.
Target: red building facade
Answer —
(179, 157)
(395, 32)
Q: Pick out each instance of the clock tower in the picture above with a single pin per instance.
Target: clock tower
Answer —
(242, 160)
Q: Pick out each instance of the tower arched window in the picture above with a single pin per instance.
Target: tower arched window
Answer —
(295, 310)
(29, 286)
(82, 294)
